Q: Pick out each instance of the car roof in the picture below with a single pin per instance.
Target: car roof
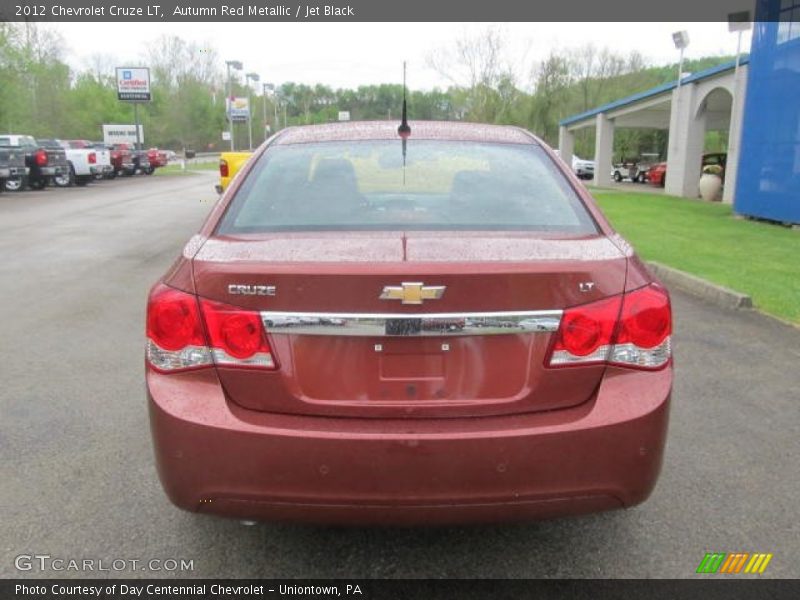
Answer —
(421, 130)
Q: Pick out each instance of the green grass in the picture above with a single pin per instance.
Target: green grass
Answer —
(759, 259)
(175, 168)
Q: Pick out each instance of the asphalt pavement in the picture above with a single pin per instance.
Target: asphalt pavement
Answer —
(77, 479)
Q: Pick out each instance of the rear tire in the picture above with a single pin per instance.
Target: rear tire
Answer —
(63, 180)
(617, 177)
(16, 185)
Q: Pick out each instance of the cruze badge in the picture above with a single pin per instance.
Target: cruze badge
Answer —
(412, 293)
(239, 289)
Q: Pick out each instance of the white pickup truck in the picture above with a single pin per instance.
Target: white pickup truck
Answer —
(85, 163)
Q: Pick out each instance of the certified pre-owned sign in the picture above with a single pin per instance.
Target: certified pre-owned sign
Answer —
(133, 84)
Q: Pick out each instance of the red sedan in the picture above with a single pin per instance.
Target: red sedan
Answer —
(441, 328)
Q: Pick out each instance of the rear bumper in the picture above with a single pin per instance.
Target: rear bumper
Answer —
(218, 458)
(51, 171)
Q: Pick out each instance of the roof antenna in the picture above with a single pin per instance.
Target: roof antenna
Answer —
(404, 131)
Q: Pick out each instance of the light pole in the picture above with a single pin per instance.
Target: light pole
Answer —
(738, 23)
(681, 40)
(275, 97)
(267, 87)
(254, 78)
(235, 64)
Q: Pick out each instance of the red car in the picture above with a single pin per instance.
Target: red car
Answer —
(156, 158)
(658, 173)
(441, 328)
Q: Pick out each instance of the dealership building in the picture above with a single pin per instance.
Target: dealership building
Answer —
(756, 100)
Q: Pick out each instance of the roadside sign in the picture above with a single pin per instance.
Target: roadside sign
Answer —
(133, 84)
(238, 109)
(226, 136)
(121, 134)
(344, 115)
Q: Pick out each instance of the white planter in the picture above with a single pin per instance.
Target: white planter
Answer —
(710, 187)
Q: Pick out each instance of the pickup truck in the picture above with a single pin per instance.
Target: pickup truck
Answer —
(156, 158)
(229, 165)
(12, 165)
(81, 163)
(100, 168)
(43, 164)
(138, 157)
(121, 159)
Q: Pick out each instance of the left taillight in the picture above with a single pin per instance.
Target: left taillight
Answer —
(92, 158)
(186, 333)
(629, 330)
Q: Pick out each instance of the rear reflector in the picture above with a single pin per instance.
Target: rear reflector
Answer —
(630, 330)
(223, 168)
(184, 334)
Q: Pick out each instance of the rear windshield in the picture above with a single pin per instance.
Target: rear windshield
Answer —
(429, 185)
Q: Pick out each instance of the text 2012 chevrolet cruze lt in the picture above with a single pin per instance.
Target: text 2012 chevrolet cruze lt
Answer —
(429, 328)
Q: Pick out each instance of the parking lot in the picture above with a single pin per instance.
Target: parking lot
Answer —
(78, 479)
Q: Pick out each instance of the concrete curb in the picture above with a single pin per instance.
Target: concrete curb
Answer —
(692, 284)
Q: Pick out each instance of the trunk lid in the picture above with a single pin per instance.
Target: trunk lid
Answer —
(342, 350)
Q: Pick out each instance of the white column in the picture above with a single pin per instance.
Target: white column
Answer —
(686, 141)
(603, 149)
(735, 135)
(566, 144)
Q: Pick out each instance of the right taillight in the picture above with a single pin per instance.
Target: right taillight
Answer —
(184, 333)
(643, 337)
(630, 330)
(223, 168)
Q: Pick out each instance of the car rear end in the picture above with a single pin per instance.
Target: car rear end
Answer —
(104, 169)
(657, 174)
(439, 331)
(12, 162)
(51, 159)
(229, 164)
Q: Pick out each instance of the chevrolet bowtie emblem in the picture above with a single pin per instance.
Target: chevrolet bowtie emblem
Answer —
(412, 293)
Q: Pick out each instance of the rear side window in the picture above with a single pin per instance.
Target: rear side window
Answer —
(428, 185)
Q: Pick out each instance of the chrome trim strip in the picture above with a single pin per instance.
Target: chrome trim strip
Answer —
(414, 325)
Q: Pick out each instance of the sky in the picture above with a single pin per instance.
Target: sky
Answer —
(353, 54)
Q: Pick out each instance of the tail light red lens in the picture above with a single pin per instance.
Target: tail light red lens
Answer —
(631, 330)
(92, 158)
(646, 319)
(183, 333)
(40, 158)
(586, 329)
(237, 336)
(223, 168)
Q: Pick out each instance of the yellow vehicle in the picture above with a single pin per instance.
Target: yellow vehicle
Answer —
(229, 165)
